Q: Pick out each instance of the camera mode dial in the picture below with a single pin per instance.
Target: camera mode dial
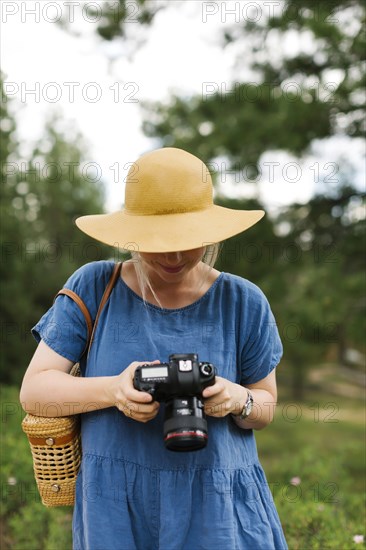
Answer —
(206, 369)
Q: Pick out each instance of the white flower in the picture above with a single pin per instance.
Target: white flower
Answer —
(358, 539)
(295, 480)
(12, 481)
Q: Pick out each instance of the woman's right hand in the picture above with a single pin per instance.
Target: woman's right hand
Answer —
(133, 403)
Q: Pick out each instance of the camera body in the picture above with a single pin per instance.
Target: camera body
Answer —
(182, 376)
(179, 384)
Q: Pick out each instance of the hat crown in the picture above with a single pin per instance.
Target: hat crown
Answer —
(168, 181)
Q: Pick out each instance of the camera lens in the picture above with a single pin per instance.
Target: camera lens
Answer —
(185, 425)
(206, 369)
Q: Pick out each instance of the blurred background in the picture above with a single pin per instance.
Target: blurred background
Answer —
(271, 96)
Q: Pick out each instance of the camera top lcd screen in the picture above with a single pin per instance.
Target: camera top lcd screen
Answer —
(155, 372)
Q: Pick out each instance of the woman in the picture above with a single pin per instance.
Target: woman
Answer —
(132, 492)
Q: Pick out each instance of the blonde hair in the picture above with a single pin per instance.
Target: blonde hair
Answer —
(209, 257)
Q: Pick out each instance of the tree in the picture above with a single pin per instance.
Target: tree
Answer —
(291, 98)
(118, 20)
(40, 244)
(328, 282)
(12, 296)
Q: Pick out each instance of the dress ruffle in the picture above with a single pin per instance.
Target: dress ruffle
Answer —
(155, 509)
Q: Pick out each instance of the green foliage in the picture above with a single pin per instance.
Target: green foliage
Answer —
(293, 96)
(40, 244)
(333, 39)
(244, 124)
(51, 529)
(324, 507)
(115, 18)
(313, 275)
(325, 289)
(27, 524)
(250, 254)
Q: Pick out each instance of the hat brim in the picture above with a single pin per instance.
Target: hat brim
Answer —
(168, 232)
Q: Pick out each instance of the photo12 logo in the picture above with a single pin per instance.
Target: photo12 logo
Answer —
(252, 92)
(69, 12)
(253, 12)
(71, 92)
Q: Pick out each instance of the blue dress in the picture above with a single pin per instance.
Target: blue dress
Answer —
(132, 493)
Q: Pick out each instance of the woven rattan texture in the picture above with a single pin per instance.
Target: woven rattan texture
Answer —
(55, 466)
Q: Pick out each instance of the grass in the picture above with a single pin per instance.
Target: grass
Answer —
(314, 458)
(25, 523)
(313, 455)
(316, 472)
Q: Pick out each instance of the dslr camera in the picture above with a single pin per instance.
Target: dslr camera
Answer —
(179, 384)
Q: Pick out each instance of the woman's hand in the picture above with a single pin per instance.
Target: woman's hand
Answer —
(224, 398)
(131, 402)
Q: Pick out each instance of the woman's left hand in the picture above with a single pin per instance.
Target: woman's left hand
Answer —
(224, 398)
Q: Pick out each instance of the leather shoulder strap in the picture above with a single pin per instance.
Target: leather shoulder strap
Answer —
(107, 292)
(71, 294)
(89, 323)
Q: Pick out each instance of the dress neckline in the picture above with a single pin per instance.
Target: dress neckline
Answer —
(172, 310)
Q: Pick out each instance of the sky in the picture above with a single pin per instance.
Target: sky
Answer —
(98, 88)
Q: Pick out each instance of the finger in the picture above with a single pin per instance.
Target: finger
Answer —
(132, 409)
(216, 409)
(211, 404)
(210, 391)
(144, 419)
(138, 396)
(139, 412)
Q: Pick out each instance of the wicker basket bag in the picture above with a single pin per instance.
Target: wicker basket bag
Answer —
(55, 442)
(56, 450)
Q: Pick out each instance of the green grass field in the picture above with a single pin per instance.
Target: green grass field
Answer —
(315, 468)
(313, 455)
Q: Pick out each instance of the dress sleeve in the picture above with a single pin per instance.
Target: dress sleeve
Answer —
(262, 348)
(63, 327)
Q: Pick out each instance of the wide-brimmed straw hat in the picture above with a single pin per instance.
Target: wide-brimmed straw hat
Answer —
(168, 208)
